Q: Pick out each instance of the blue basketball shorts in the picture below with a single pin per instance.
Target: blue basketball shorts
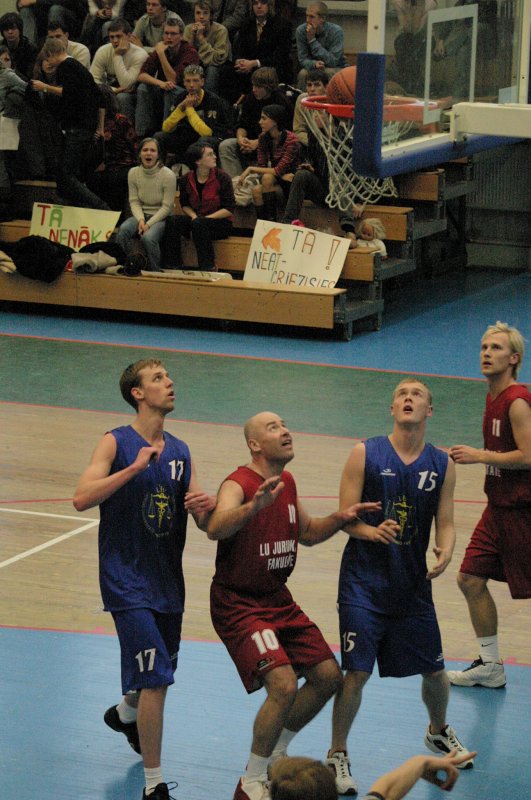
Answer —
(401, 645)
(149, 645)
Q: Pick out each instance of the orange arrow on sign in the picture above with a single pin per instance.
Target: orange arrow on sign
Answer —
(272, 240)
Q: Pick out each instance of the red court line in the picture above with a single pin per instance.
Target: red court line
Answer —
(44, 500)
(248, 358)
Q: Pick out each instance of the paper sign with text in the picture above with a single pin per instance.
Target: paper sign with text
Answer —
(293, 256)
(74, 227)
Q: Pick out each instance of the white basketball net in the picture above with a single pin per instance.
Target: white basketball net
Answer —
(346, 187)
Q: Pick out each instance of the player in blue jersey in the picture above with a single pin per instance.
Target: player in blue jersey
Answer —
(386, 612)
(145, 483)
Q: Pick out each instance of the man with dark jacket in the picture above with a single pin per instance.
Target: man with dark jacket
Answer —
(23, 53)
(77, 113)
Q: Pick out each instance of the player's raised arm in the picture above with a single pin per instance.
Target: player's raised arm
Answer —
(231, 513)
(96, 484)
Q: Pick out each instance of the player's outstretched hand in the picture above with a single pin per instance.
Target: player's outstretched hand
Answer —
(267, 492)
(463, 454)
(199, 502)
(448, 765)
(352, 512)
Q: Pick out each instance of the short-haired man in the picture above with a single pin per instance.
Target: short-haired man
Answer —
(80, 52)
(77, 114)
(118, 64)
(23, 53)
(386, 611)
(161, 74)
(319, 43)
(236, 154)
(198, 116)
(259, 523)
(211, 40)
(500, 547)
(149, 29)
(145, 483)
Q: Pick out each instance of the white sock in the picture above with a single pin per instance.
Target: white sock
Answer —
(256, 768)
(153, 778)
(281, 746)
(488, 648)
(126, 712)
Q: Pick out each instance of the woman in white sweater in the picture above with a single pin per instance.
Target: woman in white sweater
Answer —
(151, 197)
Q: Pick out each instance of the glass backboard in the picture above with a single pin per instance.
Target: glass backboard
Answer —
(462, 67)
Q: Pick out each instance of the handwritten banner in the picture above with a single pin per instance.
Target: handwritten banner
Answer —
(74, 227)
(294, 256)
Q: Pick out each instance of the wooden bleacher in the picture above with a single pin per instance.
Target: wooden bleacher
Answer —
(358, 297)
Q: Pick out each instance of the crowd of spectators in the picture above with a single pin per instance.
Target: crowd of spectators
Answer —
(82, 83)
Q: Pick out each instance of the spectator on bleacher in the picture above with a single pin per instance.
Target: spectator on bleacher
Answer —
(198, 116)
(23, 53)
(207, 201)
(235, 154)
(161, 74)
(310, 180)
(277, 156)
(118, 64)
(316, 83)
(77, 113)
(231, 14)
(149, 28)
(40, 132)
(319, 43)
(36, 15)
(12, 90)
(264, 40)
(116, 151)
(211, 40)
(152, 199)
(132, 10)
(74, 49)
(5, 57)
(96, 25)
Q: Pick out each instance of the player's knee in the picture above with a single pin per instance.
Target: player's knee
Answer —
(356, 679)
(282, 686)
(326, 677)
(471, 585)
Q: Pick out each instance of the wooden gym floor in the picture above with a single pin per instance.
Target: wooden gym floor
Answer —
(61, 668)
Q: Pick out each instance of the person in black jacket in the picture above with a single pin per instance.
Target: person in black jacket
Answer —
(22, 52)
(77, 113)
(264, 40)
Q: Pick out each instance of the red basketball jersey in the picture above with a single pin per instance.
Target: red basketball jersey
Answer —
(260, 557)
(505, 487)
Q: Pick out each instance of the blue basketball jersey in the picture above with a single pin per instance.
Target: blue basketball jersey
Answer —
(391, 579)
(143, 529)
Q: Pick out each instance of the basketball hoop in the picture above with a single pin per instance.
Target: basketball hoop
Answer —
(332, 126)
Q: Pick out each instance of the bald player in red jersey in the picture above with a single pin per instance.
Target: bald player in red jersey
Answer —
(259, 523)
(500, 547)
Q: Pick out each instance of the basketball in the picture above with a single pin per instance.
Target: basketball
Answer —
(342, 87)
